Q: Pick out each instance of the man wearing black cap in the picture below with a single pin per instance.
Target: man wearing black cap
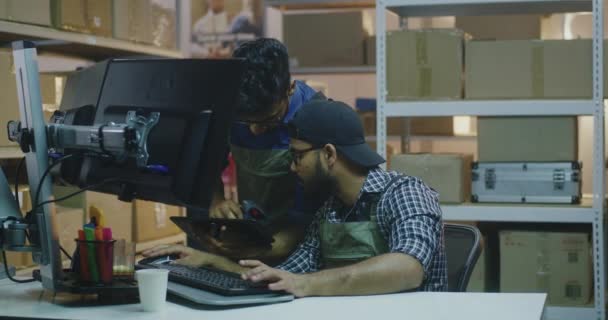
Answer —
(378, 231)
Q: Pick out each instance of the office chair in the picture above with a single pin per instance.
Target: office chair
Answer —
(462, 248)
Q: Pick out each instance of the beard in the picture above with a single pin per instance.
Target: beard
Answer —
(318, 188)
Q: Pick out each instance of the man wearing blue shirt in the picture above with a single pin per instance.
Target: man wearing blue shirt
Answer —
(259, 144)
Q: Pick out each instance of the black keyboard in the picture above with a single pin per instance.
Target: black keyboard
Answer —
(218, 281)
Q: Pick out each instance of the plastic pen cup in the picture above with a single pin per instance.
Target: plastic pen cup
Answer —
(124, 260)
(152, 285)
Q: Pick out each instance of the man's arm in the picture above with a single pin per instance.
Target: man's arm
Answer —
(195, 258)
(391, 272)
(285, 241)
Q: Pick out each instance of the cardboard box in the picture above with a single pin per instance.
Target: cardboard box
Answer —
(428, 126)
(424, 64)
(146, 21)
(68, 221)
(557, 263)
(527, 139)
(9, 104)
(370, 51)
(27, 11)
(85, 16)
(448, 174)
(324, 40)
(152, 220)
(529, 69)
(501, 27)
(118, 214)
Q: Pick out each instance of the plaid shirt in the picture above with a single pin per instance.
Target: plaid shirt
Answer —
(409, 218)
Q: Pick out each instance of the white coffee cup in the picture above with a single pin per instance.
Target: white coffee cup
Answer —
(152, 284)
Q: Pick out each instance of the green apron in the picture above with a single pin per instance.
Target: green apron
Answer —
(350, 242)
(263, 176)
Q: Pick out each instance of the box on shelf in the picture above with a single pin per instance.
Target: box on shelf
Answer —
(529, 69)
(152, 220)
(324, 40)
(524, 139)
(501, 27)
(8, 95)
(146, 21)
(553, 262)
(424, 64)
(370, 51)
(118, 214)
(85, 16)
(448, 174)
(430, 126)
(26, 11)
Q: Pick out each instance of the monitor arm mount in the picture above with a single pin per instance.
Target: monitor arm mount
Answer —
(36, 138)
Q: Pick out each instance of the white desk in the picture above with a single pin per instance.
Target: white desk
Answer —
(29, 300)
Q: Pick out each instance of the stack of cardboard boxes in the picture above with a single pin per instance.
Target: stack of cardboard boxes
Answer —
(150, 22)
(491, 70)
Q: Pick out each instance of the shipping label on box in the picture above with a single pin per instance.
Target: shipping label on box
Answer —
(448, 174)
(552, 262)
(424, 64)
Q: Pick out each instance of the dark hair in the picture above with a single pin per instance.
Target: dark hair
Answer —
(266, 80)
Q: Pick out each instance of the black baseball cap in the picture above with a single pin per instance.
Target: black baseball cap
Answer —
(320, 122)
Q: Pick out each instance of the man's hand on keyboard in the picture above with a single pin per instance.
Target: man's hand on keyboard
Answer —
(187, 256)
(279, 280)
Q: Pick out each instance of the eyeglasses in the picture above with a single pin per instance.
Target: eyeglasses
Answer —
(297, 155)
(273, 121)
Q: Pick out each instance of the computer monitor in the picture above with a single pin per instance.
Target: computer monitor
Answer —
(197, 102)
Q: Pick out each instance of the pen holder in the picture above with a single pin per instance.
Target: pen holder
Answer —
(94, 261)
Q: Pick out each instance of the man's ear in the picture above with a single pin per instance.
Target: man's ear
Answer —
(331, 154)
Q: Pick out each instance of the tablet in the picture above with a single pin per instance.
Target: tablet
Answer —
(250, 231)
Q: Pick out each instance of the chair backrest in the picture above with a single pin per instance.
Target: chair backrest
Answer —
(462, 248)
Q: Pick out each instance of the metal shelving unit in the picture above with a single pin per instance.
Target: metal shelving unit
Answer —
(593, 214)
(334, 70)
(518, 213)
(79, 44)
(489, 108)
